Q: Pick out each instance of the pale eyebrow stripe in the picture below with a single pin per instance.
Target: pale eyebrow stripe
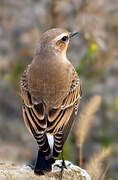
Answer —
(60, 36)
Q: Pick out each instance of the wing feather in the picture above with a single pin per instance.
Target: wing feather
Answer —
(34, 116)
(64, 122)
(37, 131)
(60, 117)
(38, 111)
(26, 119)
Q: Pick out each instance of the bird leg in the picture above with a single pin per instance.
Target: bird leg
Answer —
(63, 162)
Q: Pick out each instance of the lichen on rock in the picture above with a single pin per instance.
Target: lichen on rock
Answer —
(11, 171)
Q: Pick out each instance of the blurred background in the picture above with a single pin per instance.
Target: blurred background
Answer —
(94, 53)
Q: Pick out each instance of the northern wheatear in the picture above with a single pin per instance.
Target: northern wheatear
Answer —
(50, 89)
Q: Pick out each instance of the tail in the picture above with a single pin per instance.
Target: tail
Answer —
(43, 165)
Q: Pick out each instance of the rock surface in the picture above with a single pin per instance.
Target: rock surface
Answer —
(11, 171)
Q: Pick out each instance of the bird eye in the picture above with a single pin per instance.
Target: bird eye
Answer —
(65, 38)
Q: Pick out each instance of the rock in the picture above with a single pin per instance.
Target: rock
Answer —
(11, 171)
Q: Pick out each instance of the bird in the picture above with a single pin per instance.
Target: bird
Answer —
(50, 90)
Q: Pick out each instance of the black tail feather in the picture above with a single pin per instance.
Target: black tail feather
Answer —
(43, 165)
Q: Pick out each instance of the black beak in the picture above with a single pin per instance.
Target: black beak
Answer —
(72, 34)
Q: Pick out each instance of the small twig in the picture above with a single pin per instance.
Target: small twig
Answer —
(104, 174)
(81, 155)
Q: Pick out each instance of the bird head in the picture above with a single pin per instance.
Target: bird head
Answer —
(56, 41)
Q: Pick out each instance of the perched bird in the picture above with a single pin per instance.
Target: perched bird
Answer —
(50, 89)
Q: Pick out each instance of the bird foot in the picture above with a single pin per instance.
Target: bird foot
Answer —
(62, 165)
